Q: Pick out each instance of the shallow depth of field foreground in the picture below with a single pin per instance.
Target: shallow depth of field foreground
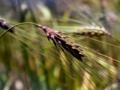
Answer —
(59, 44)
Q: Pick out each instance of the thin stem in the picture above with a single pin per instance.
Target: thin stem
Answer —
(99, 53)
(104, 42)
(116, 39)
(19, 25)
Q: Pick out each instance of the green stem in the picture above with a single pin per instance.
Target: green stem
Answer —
(19, 25)
(116, 39)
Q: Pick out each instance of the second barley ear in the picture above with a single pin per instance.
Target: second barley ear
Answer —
(4, 25)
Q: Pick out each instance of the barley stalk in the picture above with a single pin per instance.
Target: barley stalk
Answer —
(57, 38)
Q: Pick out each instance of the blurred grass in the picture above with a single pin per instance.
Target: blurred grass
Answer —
(28, 61)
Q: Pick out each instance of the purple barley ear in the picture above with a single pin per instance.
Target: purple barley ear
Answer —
(5, 25)
(60, 40)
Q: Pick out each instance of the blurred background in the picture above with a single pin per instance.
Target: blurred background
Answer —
(28, 61)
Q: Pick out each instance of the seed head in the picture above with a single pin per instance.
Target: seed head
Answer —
(5, 25)
(60, 40)
(93, 31)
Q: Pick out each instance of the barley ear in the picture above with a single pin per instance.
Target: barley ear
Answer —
(60, 40)
(5, 25)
